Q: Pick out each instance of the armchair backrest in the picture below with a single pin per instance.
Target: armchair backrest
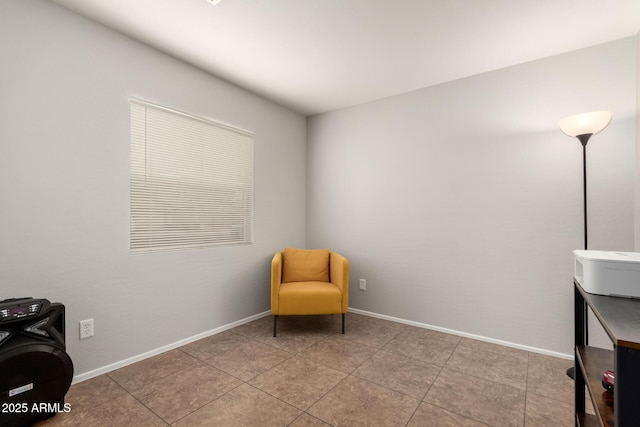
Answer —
(303, 265)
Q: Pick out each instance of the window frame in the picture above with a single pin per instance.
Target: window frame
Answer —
(191, 181)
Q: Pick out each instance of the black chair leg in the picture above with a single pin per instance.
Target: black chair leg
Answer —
(275, 323)
(342, 323)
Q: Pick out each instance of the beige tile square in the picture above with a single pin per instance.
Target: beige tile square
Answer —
(396, 372)
(259, 328)
(93, 392)
(339, 354)
(183, 392)
(357, 402)
(139, 374)
(433, 416)
(327, 324)
(477, 398)
(521, 355)
(372, 331)
(494, 366)
(306, 420)
(122, 411)
(298, 381)
(423, 344)
(248, 359)
(83, 398)
(214, 345)
(62, 419)
(294, 340)
(547, 377)
(242, 406)
(543, 412)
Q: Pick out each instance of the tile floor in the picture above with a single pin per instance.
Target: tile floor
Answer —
(379, 373)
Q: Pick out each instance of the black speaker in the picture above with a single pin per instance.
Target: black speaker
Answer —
(35, 369)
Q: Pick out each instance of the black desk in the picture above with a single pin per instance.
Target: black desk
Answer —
(620, 318)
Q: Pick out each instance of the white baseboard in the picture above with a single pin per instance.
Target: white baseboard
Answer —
(113, 366)
(463, 334)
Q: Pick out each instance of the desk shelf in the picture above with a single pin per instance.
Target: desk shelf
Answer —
(620, 318)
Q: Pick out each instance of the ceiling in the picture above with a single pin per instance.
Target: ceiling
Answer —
(315, 56)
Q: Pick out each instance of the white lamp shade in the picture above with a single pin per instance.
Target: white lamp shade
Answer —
(585, 123)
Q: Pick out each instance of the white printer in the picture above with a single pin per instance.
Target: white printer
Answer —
(608, 272)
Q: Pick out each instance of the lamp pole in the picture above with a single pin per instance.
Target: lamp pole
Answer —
(583, 126)
(584, 138)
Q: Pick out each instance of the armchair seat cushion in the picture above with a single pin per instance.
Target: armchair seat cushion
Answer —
(309, 298)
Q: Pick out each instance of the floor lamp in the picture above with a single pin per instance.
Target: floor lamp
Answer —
(583, 126)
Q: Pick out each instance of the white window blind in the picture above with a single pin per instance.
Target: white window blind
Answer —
(191, 181)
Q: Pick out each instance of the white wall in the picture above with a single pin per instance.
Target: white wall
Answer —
(637, 210)
(65, 83)
(461, 203)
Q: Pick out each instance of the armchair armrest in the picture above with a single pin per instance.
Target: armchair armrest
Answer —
(276, 279)
(339, 276)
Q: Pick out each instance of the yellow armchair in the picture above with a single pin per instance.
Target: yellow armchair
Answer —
(309, 282)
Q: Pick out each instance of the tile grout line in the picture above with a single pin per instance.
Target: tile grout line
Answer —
(349, 374)
(526, 392)
(436, 379)
(175, 372)
(243, 382)
(431, 386)
(292, 355)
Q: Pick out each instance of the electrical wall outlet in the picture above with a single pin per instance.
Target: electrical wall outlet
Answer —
(86, 328)
(363, 285)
